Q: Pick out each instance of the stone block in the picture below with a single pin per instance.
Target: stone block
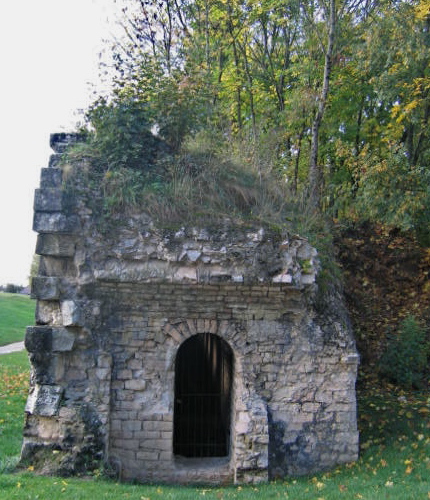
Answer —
(44, 400)
(104, 361)
(38, 339)
(158, 444)
(75, 374)
(55, 222)
(147, 455)
(48, 200)
(150, 425)
(55, 161)
(164, 426)
(63, 340)
(71, 313)
(51, 177)
(60, 141)
(124, 375)
(115, 425)
(99, 373)
(49, 430)
(351, 359)
(308, 279)
(135, 384)
(45, 288)
(135, 364)
(132, 425)
(56, 245)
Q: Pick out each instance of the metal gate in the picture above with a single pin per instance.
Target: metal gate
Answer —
(203, 379)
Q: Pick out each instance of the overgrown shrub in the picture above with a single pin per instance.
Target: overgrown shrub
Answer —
(404, 361)
(382, 187)
(122, 134)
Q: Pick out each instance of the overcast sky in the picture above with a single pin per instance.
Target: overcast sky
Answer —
(48, 55)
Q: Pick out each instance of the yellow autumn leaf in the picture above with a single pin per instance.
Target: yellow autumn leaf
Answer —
(408, 470)
(422, 10)
(412, 105)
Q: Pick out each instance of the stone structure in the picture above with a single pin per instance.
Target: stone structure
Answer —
(191, 355)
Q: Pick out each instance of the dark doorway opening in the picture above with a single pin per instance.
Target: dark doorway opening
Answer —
(203, 380)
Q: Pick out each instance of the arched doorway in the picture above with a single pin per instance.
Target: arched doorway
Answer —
(203, 381)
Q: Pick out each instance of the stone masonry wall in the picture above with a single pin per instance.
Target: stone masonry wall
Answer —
(114, 308)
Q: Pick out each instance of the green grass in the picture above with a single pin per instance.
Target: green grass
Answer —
(16, 312)
(394, 461)
(14, 377)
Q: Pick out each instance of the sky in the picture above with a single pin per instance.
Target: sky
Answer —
(49, 61)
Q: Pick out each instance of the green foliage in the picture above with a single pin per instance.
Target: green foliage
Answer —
(122, 134)
(34, 268)
(12, 288)
(382, 187)
(121, 188)
(252, 71)
(16, 313)
(405, 359)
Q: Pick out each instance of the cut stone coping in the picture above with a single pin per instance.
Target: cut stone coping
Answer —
(15, 347)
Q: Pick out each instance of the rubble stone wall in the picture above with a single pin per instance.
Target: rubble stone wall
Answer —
(114, 308)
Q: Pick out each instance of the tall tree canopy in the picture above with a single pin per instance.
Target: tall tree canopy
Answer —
(334, 94)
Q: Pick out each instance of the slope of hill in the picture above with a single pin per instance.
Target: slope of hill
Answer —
(386, 278)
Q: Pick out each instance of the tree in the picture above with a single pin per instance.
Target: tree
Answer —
(315, 85)
(315, 174)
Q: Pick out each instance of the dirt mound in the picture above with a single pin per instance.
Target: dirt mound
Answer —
(386, 278)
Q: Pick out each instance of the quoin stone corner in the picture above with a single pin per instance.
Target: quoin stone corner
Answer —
(182, 355)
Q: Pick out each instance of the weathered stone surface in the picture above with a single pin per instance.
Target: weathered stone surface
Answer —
(115, 308)
(51, 178)
(71, 313)
(55, 222)
(48, 200)
(38, 339)
(57, 245)
(45, 288)
(62, 340)
(44, 400)
(55, 160)
(59, 142)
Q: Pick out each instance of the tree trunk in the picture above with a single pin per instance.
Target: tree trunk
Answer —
(315, 171)
(297, 160)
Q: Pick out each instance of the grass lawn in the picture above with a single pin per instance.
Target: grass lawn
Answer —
(16, 312)
(394, 461)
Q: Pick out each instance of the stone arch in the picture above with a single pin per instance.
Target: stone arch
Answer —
(204, 371)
